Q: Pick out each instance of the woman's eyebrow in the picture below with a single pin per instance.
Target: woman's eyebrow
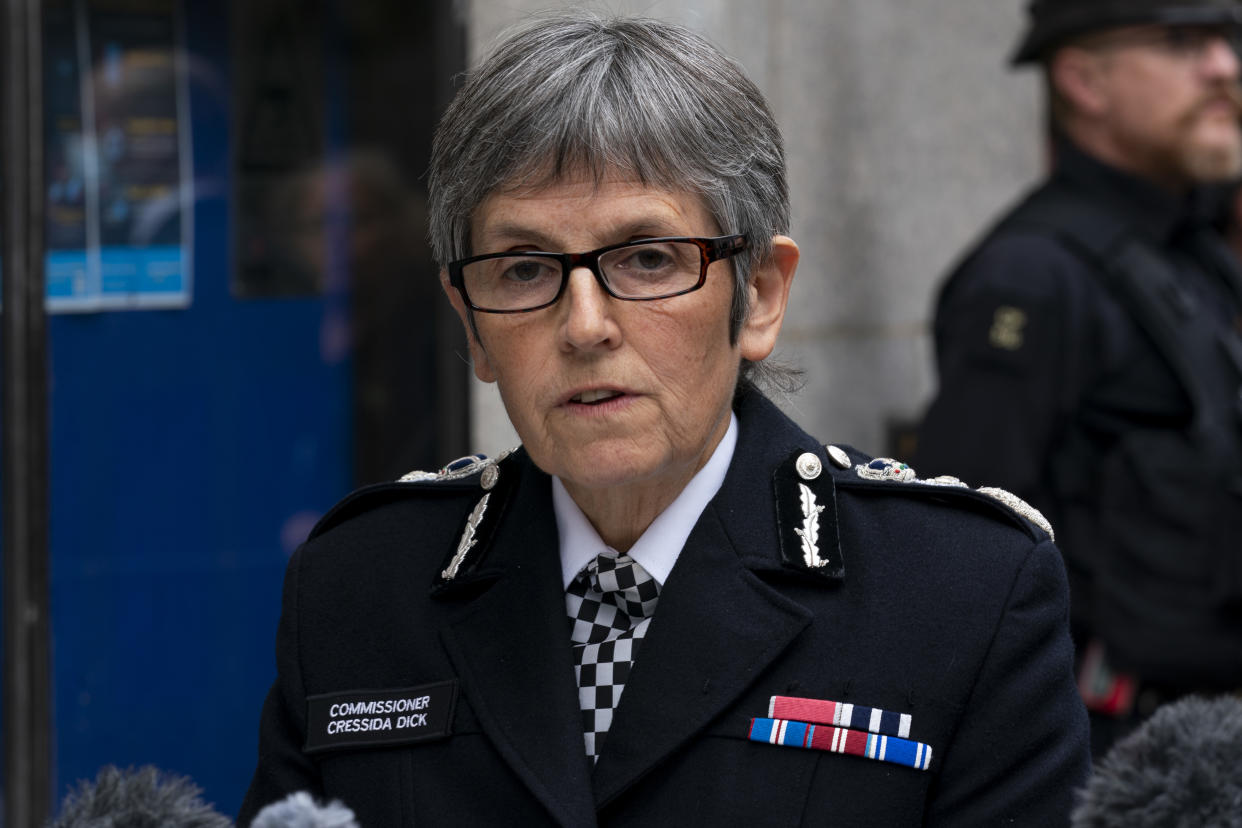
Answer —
(516, 232)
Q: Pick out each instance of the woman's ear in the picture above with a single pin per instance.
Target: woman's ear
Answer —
(769, 295)
(478, 356)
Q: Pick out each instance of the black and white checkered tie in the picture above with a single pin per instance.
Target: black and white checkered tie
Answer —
(610, 604)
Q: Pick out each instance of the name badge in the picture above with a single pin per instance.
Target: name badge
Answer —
(379, 718)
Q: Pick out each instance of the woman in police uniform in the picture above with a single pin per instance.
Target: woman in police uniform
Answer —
(670, 605)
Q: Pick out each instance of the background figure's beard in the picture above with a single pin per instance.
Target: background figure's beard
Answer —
(1219, 160)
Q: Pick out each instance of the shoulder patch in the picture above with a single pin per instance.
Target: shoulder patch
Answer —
(886, 469)
(460, 469)
(454, 480)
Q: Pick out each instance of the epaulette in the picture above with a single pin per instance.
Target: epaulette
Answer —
(460, 478)
(806, 502)
(885, 471)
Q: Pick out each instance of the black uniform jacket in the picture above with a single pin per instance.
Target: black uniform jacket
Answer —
(1042, 370)
(934, 601)
(1052, 388)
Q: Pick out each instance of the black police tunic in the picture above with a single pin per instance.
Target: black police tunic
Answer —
(1045, 374)
(425, 675)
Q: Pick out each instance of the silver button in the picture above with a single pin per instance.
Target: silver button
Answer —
(839, 458)
(490, 475)
(808, 466)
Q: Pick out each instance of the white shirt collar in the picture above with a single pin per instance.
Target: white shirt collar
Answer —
(657, 548)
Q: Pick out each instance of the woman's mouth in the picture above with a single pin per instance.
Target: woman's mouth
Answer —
(594, 396)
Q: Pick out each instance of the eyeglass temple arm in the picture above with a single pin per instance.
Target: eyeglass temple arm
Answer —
(723, 248)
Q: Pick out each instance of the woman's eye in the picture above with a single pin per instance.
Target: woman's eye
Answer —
(650, 259)
(526, 271)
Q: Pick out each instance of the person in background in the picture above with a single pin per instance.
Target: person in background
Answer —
(670, 605)
(1089, 347)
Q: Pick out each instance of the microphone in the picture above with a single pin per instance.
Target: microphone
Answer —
(299, 810)
(1180, 768)
(142, 798)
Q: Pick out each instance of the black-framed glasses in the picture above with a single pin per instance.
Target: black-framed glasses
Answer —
(636, 271)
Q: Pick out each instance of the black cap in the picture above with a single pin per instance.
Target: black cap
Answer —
(1052, 21)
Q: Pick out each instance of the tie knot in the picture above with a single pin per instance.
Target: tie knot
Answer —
(624, 582)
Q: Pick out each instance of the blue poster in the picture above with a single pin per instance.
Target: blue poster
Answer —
(119, 182)
(139, 137)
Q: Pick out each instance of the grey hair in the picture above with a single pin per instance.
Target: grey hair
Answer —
(579, 93)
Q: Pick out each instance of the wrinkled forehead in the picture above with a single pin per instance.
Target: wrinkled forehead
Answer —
(598, 188)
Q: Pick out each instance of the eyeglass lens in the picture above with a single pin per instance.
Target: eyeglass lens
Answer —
(637, 271)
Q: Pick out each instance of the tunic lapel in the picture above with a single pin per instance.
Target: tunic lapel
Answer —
(511, 648)
(715, 631)
(717, 627)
